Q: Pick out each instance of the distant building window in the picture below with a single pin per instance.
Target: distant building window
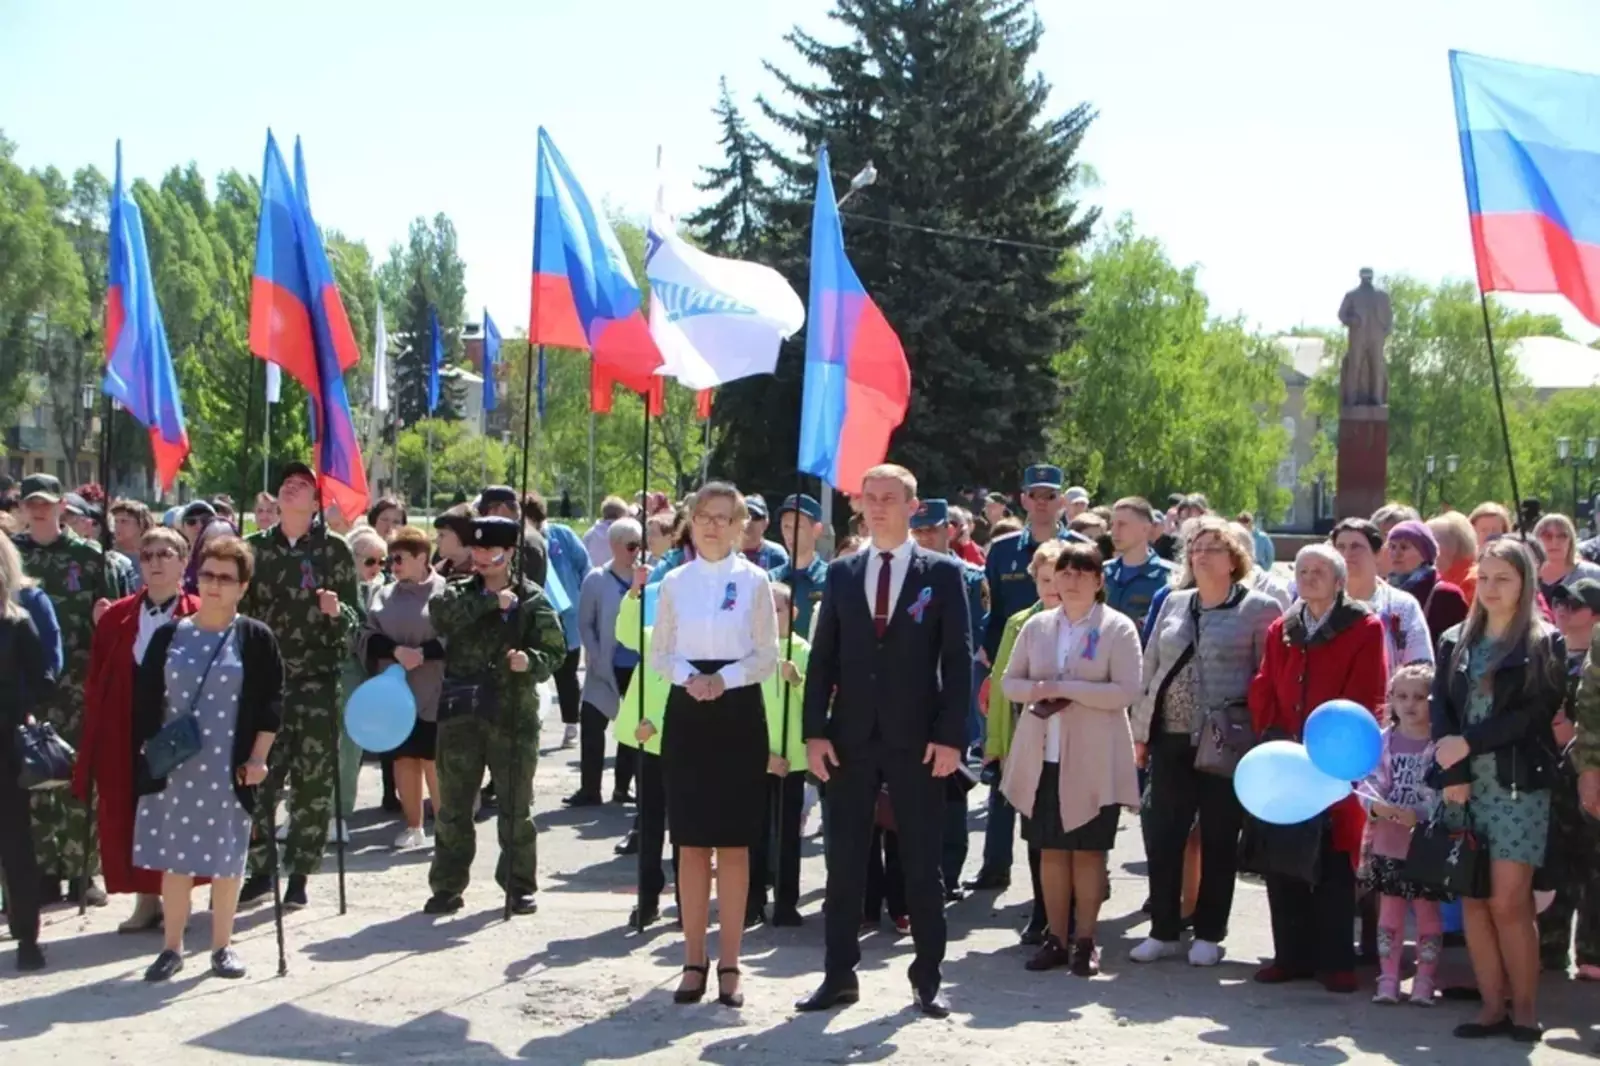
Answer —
(61, 470)
(84, 476)
(15, 466)
(38, 466)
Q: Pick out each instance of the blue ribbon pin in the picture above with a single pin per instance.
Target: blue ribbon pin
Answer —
(1091, 645)
(917, 609)
(730, 596)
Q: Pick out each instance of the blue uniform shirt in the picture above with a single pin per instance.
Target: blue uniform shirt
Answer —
(569, 562)
(1010, 585)
(768, 557)
(977, 602)
(1131, 589)
(807, 589)
(674, 558)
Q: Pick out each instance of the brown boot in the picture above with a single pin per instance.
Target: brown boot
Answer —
(1050, 956)
(1085, 958)
(146, 915)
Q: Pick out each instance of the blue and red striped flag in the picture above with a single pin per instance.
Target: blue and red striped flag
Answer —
(139, 371)
(857, 383)
(298, 321)
(584, 294)
(1530, 147)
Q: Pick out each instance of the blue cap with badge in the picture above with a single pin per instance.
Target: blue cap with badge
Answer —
(1042, 476)
(930, 514)
(804, 504)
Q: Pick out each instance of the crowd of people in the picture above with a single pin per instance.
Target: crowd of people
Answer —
(1087, 665)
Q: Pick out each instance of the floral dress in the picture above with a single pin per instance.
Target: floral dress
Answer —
(1516, 825)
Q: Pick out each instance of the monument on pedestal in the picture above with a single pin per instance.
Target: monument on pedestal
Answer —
(1363, 464)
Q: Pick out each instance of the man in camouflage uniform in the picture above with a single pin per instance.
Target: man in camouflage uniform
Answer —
(502, 638)
(1572, 858)
(74, 574)
(305, 590)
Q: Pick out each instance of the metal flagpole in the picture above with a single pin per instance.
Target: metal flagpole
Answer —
(592, 513)
(333, 719)
(266, 452)
(705, 454)
(640, 914)
(250, 423)
(1500, 405)
(103, 472)
(427, 503)
(513, 788)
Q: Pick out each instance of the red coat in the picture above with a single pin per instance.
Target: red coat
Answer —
(106, 747)
(1344, 659)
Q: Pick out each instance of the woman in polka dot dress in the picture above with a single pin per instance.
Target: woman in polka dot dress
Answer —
(225, 670)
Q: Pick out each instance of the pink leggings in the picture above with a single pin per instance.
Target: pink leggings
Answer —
(1392, 935)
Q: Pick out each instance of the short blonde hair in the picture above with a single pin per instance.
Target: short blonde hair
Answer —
(12, 578)
(163, 535)
(1566, 526)
(1045, 555)
(1455, 535)
(719, 490)
(365, 534)
(895, 472)
(1490, 509)
(1193, 530)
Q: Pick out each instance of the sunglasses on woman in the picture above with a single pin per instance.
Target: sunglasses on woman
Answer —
(376, 560)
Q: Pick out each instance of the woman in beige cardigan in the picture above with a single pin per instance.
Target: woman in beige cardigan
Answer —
(1078, 668)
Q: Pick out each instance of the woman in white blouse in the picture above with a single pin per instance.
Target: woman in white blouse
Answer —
(716, 639)
(1078, 668)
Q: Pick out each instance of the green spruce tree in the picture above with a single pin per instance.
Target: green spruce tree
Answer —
(427, 272)
(733, 225)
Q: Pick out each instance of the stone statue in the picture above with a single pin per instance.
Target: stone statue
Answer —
(1365, 312)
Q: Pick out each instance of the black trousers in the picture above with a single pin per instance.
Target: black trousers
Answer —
(592, 747)
(918, 801)
(1178, 793)
(886, 881)
(1311, 923)
(785, 798)
(568, 691)
(651, 822)
(17, 860)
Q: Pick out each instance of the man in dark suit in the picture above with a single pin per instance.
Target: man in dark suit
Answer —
(887, 691)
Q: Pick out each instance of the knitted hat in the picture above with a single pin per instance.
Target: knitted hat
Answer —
(1419, 537)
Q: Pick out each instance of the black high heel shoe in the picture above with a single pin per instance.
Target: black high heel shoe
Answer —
(728, 999)
(693, 995)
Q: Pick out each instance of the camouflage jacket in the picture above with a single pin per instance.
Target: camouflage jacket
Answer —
(477, 636)
(284, 596)
(1585, 705)
(74, 573)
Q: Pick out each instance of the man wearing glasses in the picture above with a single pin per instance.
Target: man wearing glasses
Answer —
(305, 591)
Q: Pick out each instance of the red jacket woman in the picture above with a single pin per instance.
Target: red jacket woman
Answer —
(107, 751)
(1325, 647)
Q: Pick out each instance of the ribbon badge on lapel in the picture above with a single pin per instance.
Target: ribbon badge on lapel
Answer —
(920, 607)
(308, 580)
(730, 596)
(1091, 645)
(74, 577)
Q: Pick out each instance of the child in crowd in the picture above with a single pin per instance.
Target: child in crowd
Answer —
(1397, 800)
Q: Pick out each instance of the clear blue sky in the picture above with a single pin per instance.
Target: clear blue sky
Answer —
(1279, 145)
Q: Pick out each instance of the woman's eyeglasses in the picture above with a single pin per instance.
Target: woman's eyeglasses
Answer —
(632, 546)
(214, 577)
(157, 555)
(376, 560)
(719, 521)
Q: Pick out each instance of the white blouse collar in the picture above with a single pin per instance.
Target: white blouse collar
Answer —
(718, 568)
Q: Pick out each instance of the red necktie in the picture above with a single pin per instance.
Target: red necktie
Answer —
(880, 609)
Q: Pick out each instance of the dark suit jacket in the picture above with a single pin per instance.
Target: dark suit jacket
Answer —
(912, 687)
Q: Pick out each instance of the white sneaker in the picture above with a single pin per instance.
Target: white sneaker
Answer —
(1204, 953)
(338, 832)
(1152, 949)
(411, 838)
(569, 736)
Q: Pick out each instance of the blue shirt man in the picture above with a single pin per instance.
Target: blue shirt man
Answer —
(1136, 574)
(755, 547)
(800, 524)
(569, 562)
(1010, 586)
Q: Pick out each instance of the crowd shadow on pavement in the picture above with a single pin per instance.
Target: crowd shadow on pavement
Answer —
(409, 934)
(288, 1031)
(124, 996)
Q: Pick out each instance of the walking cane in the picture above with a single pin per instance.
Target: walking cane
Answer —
(277, 894)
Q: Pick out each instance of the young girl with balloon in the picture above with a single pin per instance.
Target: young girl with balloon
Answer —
(1397, 799)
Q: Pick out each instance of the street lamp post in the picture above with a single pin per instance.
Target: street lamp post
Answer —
(868, 175)
(1428, 464)
(1452, 463)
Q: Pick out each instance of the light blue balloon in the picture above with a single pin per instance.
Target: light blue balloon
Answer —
(1343, 740)
(1278, 783)
(381, 712)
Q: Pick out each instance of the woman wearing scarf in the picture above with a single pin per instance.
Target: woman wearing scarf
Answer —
(107, 752)
(1413, 553)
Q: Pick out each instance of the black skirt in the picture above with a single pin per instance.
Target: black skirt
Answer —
(421, 744)
(714, 762)
(1044, 829)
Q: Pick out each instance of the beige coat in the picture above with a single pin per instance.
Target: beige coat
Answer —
(1097, 768)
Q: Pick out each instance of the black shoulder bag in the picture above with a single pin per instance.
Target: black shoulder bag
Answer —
(179, 740)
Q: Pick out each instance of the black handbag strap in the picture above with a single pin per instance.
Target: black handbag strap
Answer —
(216, 650)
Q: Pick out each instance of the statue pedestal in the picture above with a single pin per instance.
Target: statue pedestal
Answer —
(1363, 464)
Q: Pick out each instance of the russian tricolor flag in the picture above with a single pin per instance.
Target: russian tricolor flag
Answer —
(1530, 146)
(139, 372)
(584, 294)
(298, 321)
(857, 383)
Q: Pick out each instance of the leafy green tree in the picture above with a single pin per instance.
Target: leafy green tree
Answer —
(1162, 397)
(939, 95)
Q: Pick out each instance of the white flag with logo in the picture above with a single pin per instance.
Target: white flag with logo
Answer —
(274, 382)
(380, 364)
(715, 320)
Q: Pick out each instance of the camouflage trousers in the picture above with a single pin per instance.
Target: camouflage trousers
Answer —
(303, 755)
(1572, 869)
(468, 746)
(61, 825)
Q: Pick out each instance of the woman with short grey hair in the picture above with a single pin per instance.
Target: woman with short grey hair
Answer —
(609, 665)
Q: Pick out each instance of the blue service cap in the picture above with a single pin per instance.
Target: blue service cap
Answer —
(802, 503)
(1042, 476)
(931, 513)
(756, 504)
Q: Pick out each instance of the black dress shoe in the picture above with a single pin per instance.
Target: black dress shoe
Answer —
(581, 798)
(294, 897)
(622, 796)
(30, 957)
(255, 886)
(650, 915)
(442, 903)
(1527, 1034)
(167, 963)
(990, 881)
(1482, 1031)
(1034, 935)
(954, 895)
(930, 1001)
(391, 803)
(830, 994)
(783, 916)
(524, 903)
(629, 844)
(755, 917)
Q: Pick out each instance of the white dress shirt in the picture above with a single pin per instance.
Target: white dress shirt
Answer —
(149, 622)
(1070, 637)
(716, 610)
(899, 566)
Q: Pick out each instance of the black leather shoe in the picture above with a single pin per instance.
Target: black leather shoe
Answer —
(581, 798)
(1527, 1034)
(167, 963)
(30, 957)
(621, 796)
(990, 881)
(651, 915)
(755, 917)
(442, 903)
(1483, 1031)
(832, 993)
(629, 844)
(524, 903)
(1034, 935)
(294, 897)
(954, 895)
(255, 887)
(786, 917)
(930, 1001)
